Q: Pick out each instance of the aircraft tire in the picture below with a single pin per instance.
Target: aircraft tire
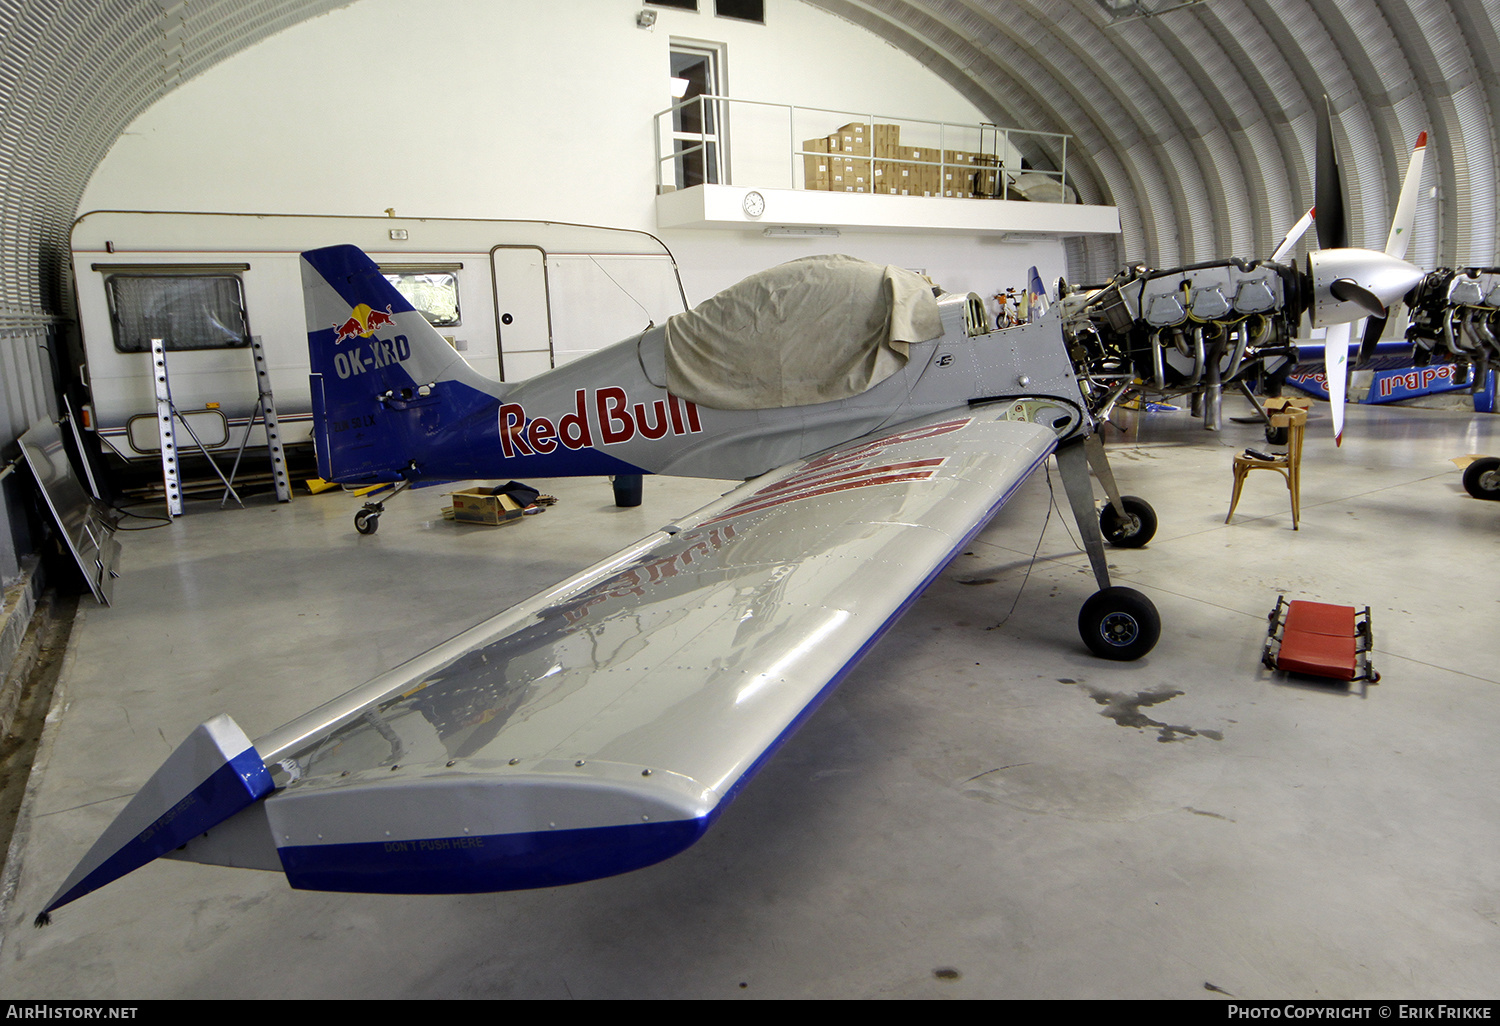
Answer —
(1132, 531)
(366, 522)
(1482, 478)
(1119, 623)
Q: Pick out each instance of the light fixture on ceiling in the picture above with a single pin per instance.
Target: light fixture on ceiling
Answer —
(801, 233)
(1121, 11)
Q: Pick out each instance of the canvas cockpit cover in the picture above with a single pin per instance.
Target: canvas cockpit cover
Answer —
(810, 331)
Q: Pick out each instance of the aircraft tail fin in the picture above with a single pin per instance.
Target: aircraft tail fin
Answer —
(373, 358)
(1036, 299)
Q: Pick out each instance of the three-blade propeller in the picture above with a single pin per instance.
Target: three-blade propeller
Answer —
(1350, 285)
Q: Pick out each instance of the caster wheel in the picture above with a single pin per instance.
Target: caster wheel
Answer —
(1482, 478)
(366, 522)
(1119, 623)
(1134, 529)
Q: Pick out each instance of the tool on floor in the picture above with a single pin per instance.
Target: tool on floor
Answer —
(1320, 640)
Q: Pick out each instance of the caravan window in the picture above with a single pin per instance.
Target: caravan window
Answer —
(433, 291)
(185, 310)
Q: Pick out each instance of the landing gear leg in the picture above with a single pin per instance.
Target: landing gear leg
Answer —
(1274, 435)
(367, 520)
(1115, 623)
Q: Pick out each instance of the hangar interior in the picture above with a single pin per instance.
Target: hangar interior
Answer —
(982, 809)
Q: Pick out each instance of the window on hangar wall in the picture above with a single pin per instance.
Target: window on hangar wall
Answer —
(744, 10)
(697, 128)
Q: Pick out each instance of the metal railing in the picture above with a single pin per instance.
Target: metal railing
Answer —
(722, 140)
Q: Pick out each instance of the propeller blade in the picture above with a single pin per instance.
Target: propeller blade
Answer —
(1374, 329)
(1328, 186)
(1294, 235)
(1336, 369)
(1406, 206)
(1347, 290)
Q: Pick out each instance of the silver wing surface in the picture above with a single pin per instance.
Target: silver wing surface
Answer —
(604, 725)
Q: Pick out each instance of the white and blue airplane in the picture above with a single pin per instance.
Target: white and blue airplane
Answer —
(604, 724)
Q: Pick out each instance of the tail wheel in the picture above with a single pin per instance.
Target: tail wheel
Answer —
(366, 522)
(1134, 529)
(1482, 478)
(1119, 623)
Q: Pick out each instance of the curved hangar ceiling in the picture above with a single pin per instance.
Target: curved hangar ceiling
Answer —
(1198, 118)
(1195, 117)
(73, 75)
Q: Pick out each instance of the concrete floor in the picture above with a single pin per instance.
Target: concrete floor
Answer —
(982, 809)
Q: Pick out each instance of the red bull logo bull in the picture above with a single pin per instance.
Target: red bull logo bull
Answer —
(362, 323)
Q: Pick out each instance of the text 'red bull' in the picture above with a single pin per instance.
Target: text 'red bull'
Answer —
(614, 420)
(1419, 380)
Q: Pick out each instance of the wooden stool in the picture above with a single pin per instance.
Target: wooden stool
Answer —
(1290, 414)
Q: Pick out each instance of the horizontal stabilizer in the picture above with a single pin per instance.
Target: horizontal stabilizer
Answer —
(212, 775)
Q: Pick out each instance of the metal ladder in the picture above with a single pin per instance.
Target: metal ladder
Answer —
(265, 408)
(167, 417)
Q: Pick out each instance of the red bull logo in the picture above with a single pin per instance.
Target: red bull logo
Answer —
(524, 435)
(362, 323)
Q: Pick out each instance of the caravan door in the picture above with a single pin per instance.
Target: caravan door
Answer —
(523, 326)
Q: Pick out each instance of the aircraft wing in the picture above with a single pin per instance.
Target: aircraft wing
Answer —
(604, 725)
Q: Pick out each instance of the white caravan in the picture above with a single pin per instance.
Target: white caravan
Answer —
(515, 298)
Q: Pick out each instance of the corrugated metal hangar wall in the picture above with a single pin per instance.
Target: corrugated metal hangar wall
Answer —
(1197, 122)
(73, 75)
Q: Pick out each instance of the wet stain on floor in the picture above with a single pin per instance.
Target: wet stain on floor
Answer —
(1126, 711)
(1211, 815)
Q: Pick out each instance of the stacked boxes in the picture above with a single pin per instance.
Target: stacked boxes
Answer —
(815, 165)
(870, 159)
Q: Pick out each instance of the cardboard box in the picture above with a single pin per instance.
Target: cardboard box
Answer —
(888, 140)
(853, 138)
(817, 171)
(893, 178)
(478, 506)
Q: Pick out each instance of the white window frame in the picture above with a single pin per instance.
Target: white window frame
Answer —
(716, 138)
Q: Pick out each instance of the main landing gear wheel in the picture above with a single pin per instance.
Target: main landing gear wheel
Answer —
(1277, 435)
(1134, 529)
(1119, 623)
(1482, 478)
(366, 521)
